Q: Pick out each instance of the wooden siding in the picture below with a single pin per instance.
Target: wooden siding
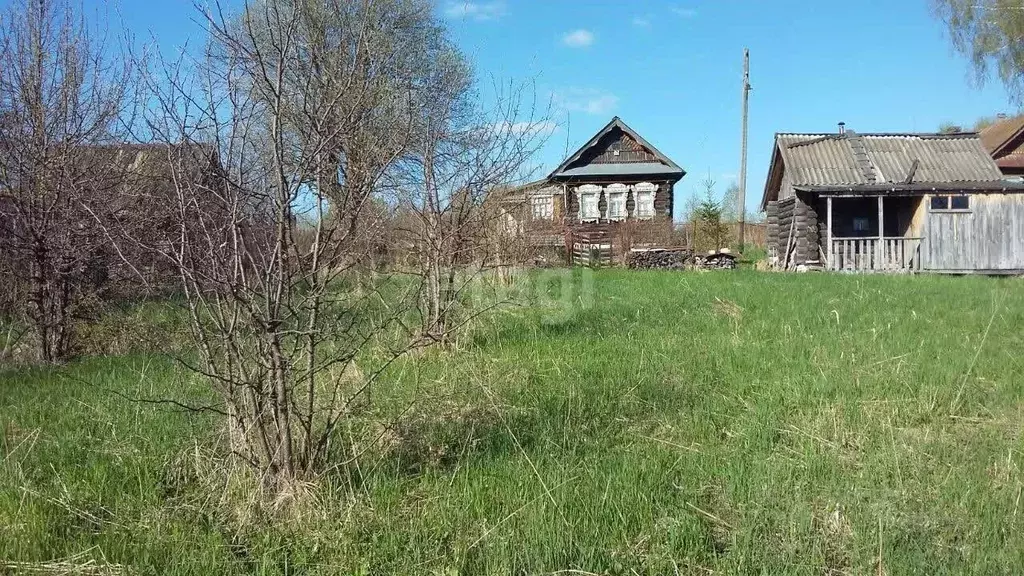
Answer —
(987, 238)
(663, 203)
(603, 152)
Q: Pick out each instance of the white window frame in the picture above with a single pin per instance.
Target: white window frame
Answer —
(542, 207)
(644, 195)
(616, 193)
(948, 198)
(588, 190)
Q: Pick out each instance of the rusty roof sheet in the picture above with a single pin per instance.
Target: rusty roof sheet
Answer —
(852, 159)
(996, 136)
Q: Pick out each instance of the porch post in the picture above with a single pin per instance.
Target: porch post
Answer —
(880, 249)
(831, 263)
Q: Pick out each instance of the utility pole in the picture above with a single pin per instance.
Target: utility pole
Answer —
(742, 200)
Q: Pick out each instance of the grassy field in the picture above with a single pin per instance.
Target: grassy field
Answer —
(739, 423)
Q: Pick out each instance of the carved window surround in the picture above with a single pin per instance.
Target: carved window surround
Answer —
(644, 195)
(615, 202)
(588, 201)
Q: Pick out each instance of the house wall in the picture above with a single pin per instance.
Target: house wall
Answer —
(616, 147)
(987, 238)
(771, 211)
(793, 230)
(663, 204)
(786, 187)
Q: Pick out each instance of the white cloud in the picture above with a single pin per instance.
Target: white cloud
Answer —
(578, 38)
(586, 100)
(534, 128)
(641, 22)
(478, 11)
(684, 12)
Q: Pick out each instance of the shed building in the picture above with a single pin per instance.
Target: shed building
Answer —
(892, 202)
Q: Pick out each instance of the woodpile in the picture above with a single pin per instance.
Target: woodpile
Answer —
(679, 259)
(715, 261)
(660, 259)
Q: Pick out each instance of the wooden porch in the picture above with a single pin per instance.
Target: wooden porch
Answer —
(885, 244)
(882, 254)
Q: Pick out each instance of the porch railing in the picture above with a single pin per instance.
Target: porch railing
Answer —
(876, 254)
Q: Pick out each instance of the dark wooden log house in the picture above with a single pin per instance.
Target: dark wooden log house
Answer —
(615, 178)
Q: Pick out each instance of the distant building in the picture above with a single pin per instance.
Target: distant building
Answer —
(892, 202)
(615, 179)
(1004, 140)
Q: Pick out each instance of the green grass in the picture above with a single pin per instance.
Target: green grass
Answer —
(729, 422)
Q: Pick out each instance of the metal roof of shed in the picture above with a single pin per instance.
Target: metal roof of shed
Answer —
(880, 163)
(830, 160)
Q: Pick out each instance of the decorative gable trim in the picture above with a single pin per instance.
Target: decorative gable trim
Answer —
(616, 122)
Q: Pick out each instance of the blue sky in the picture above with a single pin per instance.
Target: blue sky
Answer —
(672, 70)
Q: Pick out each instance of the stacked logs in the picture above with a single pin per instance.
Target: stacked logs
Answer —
(716, 261)
(679, 259)
(660, 259)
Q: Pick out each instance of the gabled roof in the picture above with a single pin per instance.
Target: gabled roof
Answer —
(517, 194)
(998, 138)
(1005, 141)
(879, 161)
(662, 166)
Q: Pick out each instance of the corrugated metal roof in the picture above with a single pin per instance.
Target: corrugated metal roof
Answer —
(621, 169)
(830, 160)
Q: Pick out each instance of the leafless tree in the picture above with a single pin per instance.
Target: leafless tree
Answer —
(462, 160)
(66, 94)
(280, 137)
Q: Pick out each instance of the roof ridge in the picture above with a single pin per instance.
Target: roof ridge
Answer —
(921, 135)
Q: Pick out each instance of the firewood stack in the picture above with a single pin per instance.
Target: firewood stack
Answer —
(660, 259)
(715, 261)
(680, 259)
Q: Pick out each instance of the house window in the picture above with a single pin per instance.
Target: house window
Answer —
(941, 203)
(589, 197)
(542, 207)
(643, 196)
(861, 225)
(616, 201)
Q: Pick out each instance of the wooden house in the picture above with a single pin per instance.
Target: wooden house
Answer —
(615, 179)
(892, 202)
(1004, 140)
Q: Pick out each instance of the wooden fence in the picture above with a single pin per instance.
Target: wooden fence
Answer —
(756, 233)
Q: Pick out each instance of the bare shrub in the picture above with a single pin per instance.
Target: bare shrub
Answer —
(279, 140)
(65, 95)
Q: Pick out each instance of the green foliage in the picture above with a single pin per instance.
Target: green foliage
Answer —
(950, 128)
(717, 422)
(713, 233)
(991, 34)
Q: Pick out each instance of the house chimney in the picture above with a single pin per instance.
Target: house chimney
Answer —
(842, 128)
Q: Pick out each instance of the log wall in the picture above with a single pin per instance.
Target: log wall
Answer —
(793, 232)
(772, 224)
